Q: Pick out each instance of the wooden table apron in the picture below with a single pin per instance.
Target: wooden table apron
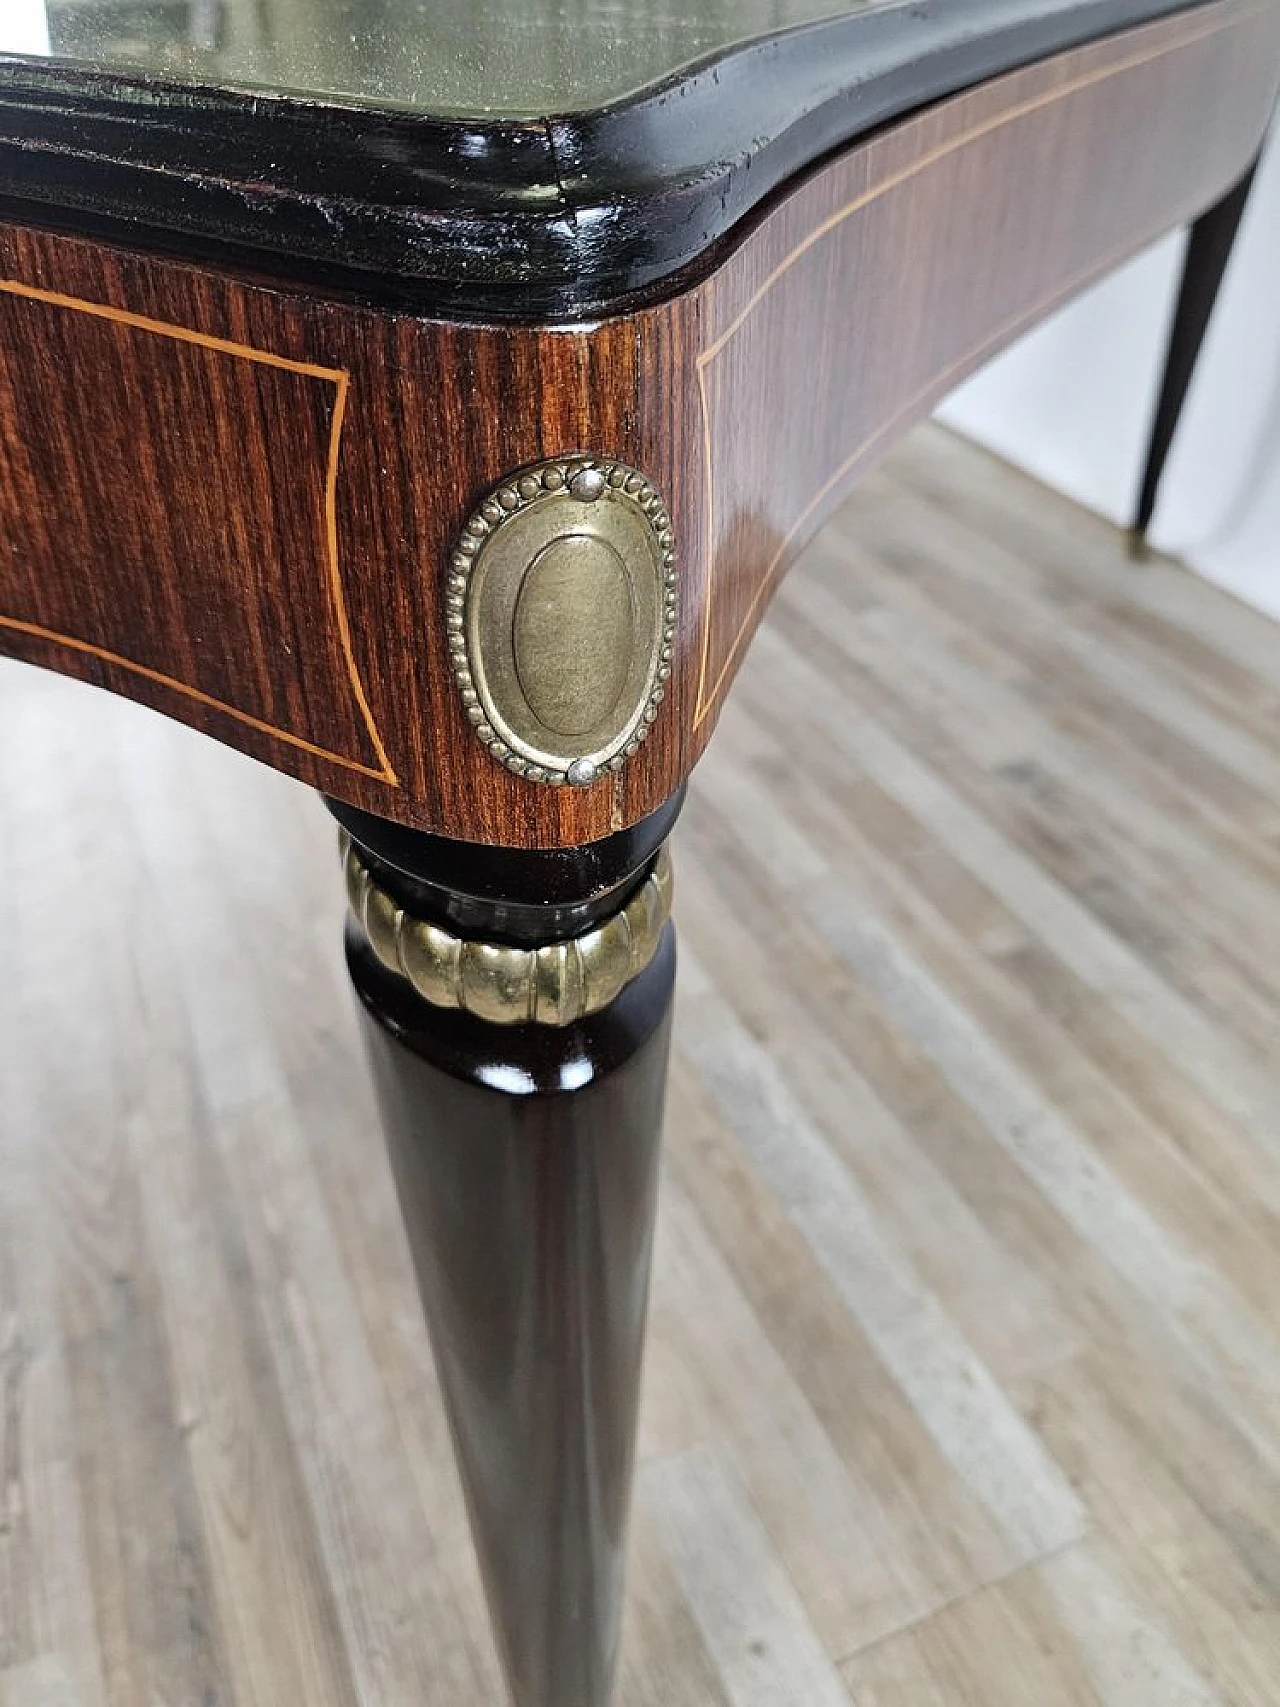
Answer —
(241, 508)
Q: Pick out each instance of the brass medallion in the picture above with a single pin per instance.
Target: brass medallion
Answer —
(562, 601)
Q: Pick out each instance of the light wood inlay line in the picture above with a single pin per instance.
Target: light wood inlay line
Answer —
(939, 383)
(340, 379)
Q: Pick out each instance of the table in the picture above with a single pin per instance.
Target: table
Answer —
(426, 401)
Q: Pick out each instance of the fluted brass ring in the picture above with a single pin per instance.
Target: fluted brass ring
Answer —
(553, 985)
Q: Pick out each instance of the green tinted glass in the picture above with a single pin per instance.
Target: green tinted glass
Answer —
(522, 58)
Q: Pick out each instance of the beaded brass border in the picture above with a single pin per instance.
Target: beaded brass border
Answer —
(588, 479)
(554, 985)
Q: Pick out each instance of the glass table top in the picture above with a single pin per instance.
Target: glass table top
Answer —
(502, 158)
(501, 58)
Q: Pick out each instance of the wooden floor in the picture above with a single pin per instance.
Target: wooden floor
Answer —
(964, 1377)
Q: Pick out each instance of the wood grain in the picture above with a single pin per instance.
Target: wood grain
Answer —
(242, 449)
(237, 504)
(961, 1387)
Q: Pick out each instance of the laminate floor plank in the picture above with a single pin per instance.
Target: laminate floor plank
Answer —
(1199, 1550)
(1139, 890)
(1077, 554)
(1146, 814)
(913, 755)
(1063, 1632)
(1178, 1171)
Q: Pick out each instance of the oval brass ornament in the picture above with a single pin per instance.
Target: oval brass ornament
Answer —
(561, 604)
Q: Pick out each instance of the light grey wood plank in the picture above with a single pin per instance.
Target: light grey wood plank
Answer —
(1238, 1352)
(42, 1682)
(749, 1613)
(951, 1390)
(1131, 1659)
(1114, 967)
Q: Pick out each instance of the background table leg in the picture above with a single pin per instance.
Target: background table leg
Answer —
(1209, 249)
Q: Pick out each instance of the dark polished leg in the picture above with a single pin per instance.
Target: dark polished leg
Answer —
(1212, 238)
(526, 1157)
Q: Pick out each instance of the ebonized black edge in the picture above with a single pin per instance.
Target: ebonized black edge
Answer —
(525, 897)
(557, 217)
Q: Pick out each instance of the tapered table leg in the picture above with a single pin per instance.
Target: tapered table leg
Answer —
(1209, 249)
(523, 1121)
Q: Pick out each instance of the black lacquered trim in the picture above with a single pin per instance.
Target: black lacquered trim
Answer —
(1209, 250)
(549, 217)
(510, 895)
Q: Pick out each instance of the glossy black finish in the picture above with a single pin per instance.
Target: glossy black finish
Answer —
(530, 1219)
(1209, 250)
(526, 1160)
(502, 894)
(559, 214)
(519, 1061)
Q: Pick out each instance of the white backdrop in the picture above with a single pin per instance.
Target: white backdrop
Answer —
(1072, 403)
(24, 27)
